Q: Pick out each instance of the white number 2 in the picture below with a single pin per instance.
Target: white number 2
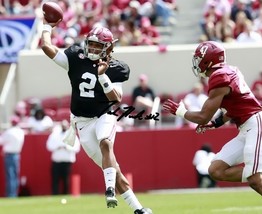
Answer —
(87, 89)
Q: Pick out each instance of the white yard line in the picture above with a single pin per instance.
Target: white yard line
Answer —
(201, 190)
(238, 209)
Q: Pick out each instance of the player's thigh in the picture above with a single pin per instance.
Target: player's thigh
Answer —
(252, 151)
(106, 127)
(232, 152)
(87, 137)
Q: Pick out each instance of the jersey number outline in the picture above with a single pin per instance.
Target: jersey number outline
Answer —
(243, 87)
(87, 89)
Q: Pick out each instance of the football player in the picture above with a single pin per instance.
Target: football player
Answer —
(96, 80)
(240, 159)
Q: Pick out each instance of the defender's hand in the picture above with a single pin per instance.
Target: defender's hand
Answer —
(200, 129)
(172, 107)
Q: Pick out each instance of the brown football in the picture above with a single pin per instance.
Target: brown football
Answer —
(52, 12)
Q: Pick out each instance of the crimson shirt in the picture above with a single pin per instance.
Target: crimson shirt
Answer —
(240, 104)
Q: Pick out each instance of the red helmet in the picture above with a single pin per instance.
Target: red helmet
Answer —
(208, 55)
(100, 35)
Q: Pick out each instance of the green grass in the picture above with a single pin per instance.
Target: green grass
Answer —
(187, 202)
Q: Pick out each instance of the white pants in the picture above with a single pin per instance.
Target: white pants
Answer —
(92, 130)
(245, 148)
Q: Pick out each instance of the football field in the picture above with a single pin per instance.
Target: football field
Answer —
(195, 201)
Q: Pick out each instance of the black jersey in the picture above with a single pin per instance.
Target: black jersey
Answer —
(88, 98)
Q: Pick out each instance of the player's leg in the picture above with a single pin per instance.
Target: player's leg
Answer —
(87, 132)
(225, 166)
(221, 171)
(106, 130)
(122, 186)
(255, 182)
(109, 169)
(105, 133)
(253, 153)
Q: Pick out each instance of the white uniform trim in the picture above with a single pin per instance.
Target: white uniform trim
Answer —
(61, 60)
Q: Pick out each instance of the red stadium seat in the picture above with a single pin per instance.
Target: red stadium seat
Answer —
(50, 103)
(63, 114)
(127, 99)
(64, 101)
(51, 113)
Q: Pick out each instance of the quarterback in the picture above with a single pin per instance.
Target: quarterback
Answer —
(96, 80)
(240, 159)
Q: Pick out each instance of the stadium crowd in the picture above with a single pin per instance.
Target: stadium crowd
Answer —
(132, 22)
(135, 22)
(232, 21)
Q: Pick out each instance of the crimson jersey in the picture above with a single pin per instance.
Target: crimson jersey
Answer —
(88, 98)
(240, 104)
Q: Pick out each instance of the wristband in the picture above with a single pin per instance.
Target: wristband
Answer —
(218, 122)
(47, 27)
(181, 110)
(105, 83)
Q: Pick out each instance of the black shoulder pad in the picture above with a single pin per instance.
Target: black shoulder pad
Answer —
(74, 49)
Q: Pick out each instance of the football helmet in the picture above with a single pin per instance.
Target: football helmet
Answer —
(208, 55)
(102, 36)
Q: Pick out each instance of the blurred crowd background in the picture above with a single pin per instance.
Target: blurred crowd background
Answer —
(150, 22)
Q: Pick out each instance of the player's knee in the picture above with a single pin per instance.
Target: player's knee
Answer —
(255, 182)
(215, 173)
(217, 170)
(105, 145)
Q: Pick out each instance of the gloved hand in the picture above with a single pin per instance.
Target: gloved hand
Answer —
(200, 129)
(172, 107)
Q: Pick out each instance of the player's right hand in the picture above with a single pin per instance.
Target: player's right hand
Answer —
(200, 129)
(103, 65)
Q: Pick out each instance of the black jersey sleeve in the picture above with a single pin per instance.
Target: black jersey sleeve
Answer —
(118, 71)
(73, 50)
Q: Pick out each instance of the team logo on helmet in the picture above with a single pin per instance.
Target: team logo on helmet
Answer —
(81, 56)
(203, 50)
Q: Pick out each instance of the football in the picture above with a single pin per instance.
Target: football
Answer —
(52, 12)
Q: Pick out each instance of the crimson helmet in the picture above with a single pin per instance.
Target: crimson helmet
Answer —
(208, 55)
(100, 35)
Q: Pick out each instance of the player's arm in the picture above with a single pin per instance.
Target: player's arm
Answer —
(116, 93)
(216, 123)
(112, 91)
(51, 50)
(46, 43)
(209, 108)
